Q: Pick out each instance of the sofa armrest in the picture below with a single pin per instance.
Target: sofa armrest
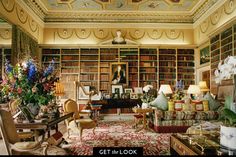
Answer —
(157, 115)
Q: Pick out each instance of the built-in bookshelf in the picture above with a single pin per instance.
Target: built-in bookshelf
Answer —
(92, 66)
(234, 41)
(89, 58)
(226, 43)
(148, 67)
(185, 66)
(5, 55)
(130, 55)
(222, 45)
(167, 66)
(51, 54)
(107, 56)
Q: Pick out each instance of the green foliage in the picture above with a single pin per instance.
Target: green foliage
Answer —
(227, 113)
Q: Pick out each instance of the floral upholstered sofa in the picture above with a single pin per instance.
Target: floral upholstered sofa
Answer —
(164, 120)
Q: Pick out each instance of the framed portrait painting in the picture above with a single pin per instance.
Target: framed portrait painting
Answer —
(205, 55)
(119, 73)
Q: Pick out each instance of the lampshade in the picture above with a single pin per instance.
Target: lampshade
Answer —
(59, 90)
(165, 88)
(203, 86)
(194, 89)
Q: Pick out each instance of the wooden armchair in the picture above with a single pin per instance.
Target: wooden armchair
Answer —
(12, 139)
(77, 123)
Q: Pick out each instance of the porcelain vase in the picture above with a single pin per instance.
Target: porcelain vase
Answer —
(145, 105)
(228, 136)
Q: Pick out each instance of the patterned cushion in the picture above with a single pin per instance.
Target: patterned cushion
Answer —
(213, 104)
(160, 102)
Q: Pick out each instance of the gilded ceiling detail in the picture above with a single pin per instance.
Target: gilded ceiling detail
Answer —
(131, 34)
(9, 7)
(173, 11)
(5, 34)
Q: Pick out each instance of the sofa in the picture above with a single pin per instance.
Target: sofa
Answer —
(167, 119)
(178, 121)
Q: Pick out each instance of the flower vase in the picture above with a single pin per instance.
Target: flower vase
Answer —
(228, 137)
(145, 105)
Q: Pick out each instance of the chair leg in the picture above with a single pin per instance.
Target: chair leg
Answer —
(80, 133)
(93, 131)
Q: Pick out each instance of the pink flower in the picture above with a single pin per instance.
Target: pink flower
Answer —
(19, 90)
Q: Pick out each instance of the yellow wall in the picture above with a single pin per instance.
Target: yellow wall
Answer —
(215, 22)
(15, 14)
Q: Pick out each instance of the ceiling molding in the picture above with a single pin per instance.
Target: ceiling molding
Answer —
(119, 25)
(208, 12)
(30, 12)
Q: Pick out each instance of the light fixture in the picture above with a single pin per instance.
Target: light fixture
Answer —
(59, 90)
(165, 88)
(193, 90)
(203, 86)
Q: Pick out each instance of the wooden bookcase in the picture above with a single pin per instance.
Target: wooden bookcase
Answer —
(185, 66)
(89, 59)
(5, 54)
(51, 54)
(91, 66)
(131, 56)
(148, 67)
(167, 66)
(234, 41)
(107, 56)
(222, 45)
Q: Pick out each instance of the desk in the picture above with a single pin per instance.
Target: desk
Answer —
(143, 112)
(44, 125)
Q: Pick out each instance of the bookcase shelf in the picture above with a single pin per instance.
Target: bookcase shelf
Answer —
(222, 46)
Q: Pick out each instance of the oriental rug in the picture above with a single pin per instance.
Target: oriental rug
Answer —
(119, 134)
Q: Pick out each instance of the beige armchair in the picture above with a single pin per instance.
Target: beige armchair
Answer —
(12, 139)
(77, 123)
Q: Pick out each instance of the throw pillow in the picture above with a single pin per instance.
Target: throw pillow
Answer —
(179, 105)
(171, 106)
(213, 104)
(161, 102)
(198, 105)
(205, 105)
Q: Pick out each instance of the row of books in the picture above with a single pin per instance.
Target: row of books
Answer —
(50, 58)
(68, 57)
(185, 58)
(108, 57)
(69, 51)
(148, 51)
(148, 58)
(183, 70)
(181, 76)
(89, 51)
(92, 57)
(70, 64)
(191, 64)
(148, 64)
(148, 77)
(169, 63)
(89, 69)
(163, 57)
(91, 77)
(73, 70)
(185, 52)
(51, 51)
(104, 77)
(148, 70)
(167, 76)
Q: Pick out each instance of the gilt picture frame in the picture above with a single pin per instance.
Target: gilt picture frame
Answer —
(119, 73)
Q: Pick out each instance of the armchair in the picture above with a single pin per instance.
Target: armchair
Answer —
(12, 139)
(77, 123)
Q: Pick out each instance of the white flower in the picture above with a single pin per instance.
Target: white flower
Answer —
(226, 70)
(147, 88)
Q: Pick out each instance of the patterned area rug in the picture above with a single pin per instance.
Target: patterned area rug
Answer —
(119, 134)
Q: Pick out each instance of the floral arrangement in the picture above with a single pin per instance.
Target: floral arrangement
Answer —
(148, 95)
(29, 82)
(179, 91)
(226, 70)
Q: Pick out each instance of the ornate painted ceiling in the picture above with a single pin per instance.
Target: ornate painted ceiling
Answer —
(139, 11)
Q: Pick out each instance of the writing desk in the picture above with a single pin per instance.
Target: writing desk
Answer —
(45, 124)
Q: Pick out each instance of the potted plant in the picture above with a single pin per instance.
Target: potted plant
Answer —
(228, 113)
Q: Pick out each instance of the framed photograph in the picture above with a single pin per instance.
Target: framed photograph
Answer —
(82, 95)
(117, 89)
(119, 73)
(205, 55)
(225, 90)
(128, 90)
(138, 90)
(133, 96)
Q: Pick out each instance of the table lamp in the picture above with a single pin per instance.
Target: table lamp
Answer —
(194, 90)
(59, 91)
(203, 86)
(165, 88)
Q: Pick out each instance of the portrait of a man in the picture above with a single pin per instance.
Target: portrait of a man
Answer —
(119, 73)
